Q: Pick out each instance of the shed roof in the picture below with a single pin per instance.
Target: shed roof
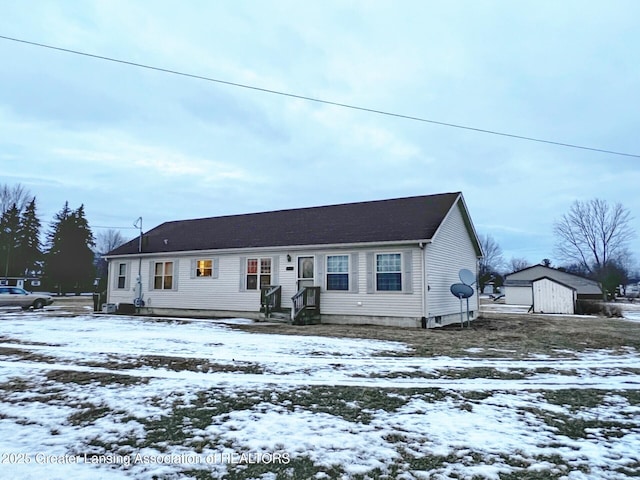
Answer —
(395, 220)
(526, 276)
(546, 277)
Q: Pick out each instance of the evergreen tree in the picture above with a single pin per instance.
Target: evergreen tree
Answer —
(29, 252)
(9, 225)
(69, 259)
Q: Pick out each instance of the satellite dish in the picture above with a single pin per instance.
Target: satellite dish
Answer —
(467, 277)
(461, 290)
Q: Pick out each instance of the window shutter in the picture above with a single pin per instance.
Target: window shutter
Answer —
(371, 284)
(194, 265)
(354, 281)
(114, 266)
(275, 270)
(216, 267)
(176, 274)
(407, 271)
(320, 278)
(243, 268)
(152, 265)
(127, 278)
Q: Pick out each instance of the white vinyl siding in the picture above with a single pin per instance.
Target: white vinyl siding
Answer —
(362, 299)
(450, 251)
(223, 292)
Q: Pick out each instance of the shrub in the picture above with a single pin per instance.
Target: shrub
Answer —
(596, 307)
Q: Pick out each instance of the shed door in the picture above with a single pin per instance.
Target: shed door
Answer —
(306, 272)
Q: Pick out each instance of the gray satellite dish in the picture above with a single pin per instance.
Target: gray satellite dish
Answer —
(467, 277)
(461, 290)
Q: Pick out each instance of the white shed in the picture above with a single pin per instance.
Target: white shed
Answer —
(551, 296)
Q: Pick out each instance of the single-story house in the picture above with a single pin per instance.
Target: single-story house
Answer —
(518, 285)
(385, 262)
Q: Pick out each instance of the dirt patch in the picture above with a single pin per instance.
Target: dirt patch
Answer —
(80, 304)
(497, 335)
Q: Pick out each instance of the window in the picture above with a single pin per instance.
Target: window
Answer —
(338, 272)
(258, 268)
(163, 276)
(388, 272)
(204, 268)
(122, 275)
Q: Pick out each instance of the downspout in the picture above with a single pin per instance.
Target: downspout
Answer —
(425, 285)
(138, 300)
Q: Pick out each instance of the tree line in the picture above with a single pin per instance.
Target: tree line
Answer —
(591, 240)
(65, 259)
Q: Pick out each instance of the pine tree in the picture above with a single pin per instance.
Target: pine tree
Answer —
(83, 242)
(69, 259)
(9, 225)
(29, 252)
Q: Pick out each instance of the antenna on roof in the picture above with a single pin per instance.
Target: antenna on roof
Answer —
(138, 225)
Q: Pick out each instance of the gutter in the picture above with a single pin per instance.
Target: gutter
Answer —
(285, 248)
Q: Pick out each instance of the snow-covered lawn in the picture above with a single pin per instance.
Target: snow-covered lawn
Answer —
(121, 397)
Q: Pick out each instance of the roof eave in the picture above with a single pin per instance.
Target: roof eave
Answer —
(322, 246)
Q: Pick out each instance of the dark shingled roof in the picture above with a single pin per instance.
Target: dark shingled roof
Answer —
(400, 219)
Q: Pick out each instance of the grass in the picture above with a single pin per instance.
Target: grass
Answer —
(496, 336)
(175, 364)
(212, 407)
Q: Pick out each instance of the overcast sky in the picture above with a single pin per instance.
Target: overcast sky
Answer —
(129, 142)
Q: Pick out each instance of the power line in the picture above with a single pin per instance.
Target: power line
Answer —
(112, 227)
(318, 100)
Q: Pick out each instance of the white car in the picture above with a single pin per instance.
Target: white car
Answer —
(18, 297)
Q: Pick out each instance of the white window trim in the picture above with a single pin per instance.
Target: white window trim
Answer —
(375, 272)
(118, 276)
(174, 275)
(258, 273)
(348, 273)
(215, 268)
(406, 272)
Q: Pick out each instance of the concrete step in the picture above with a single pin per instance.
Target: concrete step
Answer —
(280, 316)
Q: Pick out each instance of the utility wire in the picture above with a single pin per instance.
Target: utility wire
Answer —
(318, 100)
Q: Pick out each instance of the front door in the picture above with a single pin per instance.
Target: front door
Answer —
(305, 272)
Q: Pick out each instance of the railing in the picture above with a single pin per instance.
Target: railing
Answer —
(306, 303)
(270, 298)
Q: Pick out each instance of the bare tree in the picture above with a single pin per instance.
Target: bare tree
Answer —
(16, 194)
(517, 264)
(108, 240)
(492, 260)
(594, 235)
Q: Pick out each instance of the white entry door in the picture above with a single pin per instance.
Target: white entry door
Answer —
(306, 272)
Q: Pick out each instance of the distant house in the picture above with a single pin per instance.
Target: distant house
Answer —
(519, 285)
(387, 262)
(21, 282)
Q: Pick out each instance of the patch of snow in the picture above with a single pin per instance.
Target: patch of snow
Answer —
(41, 414)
